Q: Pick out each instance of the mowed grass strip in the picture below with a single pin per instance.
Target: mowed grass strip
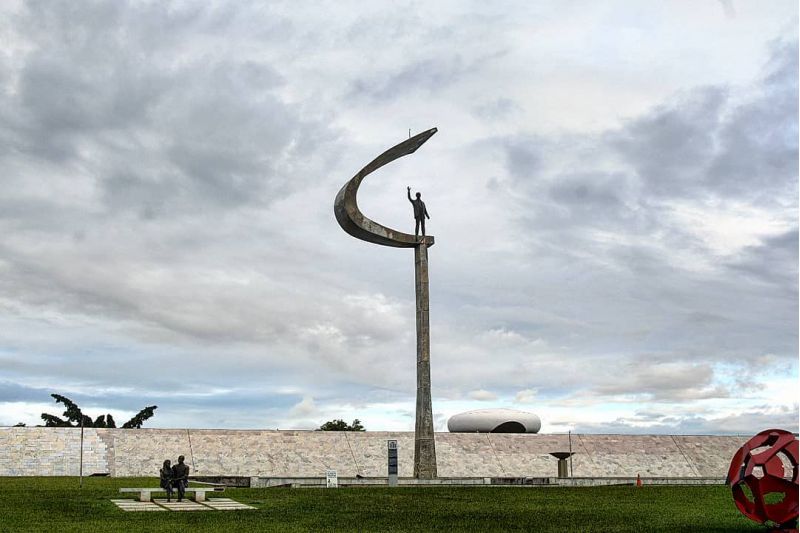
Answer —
(56, 504)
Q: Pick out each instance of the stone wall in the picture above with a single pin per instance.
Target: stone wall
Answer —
(51, 452)
(127, 452)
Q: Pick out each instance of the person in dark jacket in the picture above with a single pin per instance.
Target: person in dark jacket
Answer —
(420, 212)
(180, 477)
(166, 478)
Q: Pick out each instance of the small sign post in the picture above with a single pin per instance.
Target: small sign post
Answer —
(80, 470)
(331, 480)
(392, 445)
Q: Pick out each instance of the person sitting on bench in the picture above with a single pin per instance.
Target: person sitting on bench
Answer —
(180, 477)
(166, 478)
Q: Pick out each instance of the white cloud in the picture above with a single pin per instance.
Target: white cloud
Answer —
(526, 396)
(304, 408)
(482, 395)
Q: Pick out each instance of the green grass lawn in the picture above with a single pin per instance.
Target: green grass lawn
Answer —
(56, 505)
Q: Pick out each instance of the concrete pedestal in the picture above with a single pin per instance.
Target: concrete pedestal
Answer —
(424, 444)
(563, 467)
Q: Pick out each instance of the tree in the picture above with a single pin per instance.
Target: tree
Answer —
(73, 417)
(137, 421)
(341, 425)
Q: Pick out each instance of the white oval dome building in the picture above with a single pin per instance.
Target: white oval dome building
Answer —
(494, 421)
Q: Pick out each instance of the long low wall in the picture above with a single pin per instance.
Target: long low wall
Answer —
(216, 452)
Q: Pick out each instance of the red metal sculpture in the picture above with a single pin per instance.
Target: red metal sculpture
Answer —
(763, 477)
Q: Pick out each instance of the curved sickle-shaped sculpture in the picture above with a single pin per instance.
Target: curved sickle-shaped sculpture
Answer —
(359, 226)
(356, 224)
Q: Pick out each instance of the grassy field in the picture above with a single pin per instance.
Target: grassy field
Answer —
(56, 505)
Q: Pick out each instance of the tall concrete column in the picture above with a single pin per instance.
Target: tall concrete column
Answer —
(424, 444)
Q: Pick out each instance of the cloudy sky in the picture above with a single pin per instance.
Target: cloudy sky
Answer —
(613, 191)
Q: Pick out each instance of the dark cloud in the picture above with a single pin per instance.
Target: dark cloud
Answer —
(596, 199)
(707, 143)
(771, 262)
(670, 147)
(522, 157)
(154, 125)
(14, 392)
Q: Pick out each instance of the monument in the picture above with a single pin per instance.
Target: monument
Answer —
(763, 479)
(359, 226)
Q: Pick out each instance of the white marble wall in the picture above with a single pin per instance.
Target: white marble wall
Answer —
(51, 452)
(125, 452)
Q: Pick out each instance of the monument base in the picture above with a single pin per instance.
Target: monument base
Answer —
(424, 444)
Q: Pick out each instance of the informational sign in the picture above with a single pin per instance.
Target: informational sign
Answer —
(392, 458)
(332, 481)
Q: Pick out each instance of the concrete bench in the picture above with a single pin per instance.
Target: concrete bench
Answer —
(145, 494)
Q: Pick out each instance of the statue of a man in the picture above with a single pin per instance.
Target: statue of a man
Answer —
(420, 212)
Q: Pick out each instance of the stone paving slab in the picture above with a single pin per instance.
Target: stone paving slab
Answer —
(161, 504)
(185, 505)
(136, 505)
(226, 504)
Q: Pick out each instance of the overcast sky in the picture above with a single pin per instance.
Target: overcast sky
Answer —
(613, 190)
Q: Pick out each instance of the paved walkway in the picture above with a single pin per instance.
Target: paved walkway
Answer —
(212, 504)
